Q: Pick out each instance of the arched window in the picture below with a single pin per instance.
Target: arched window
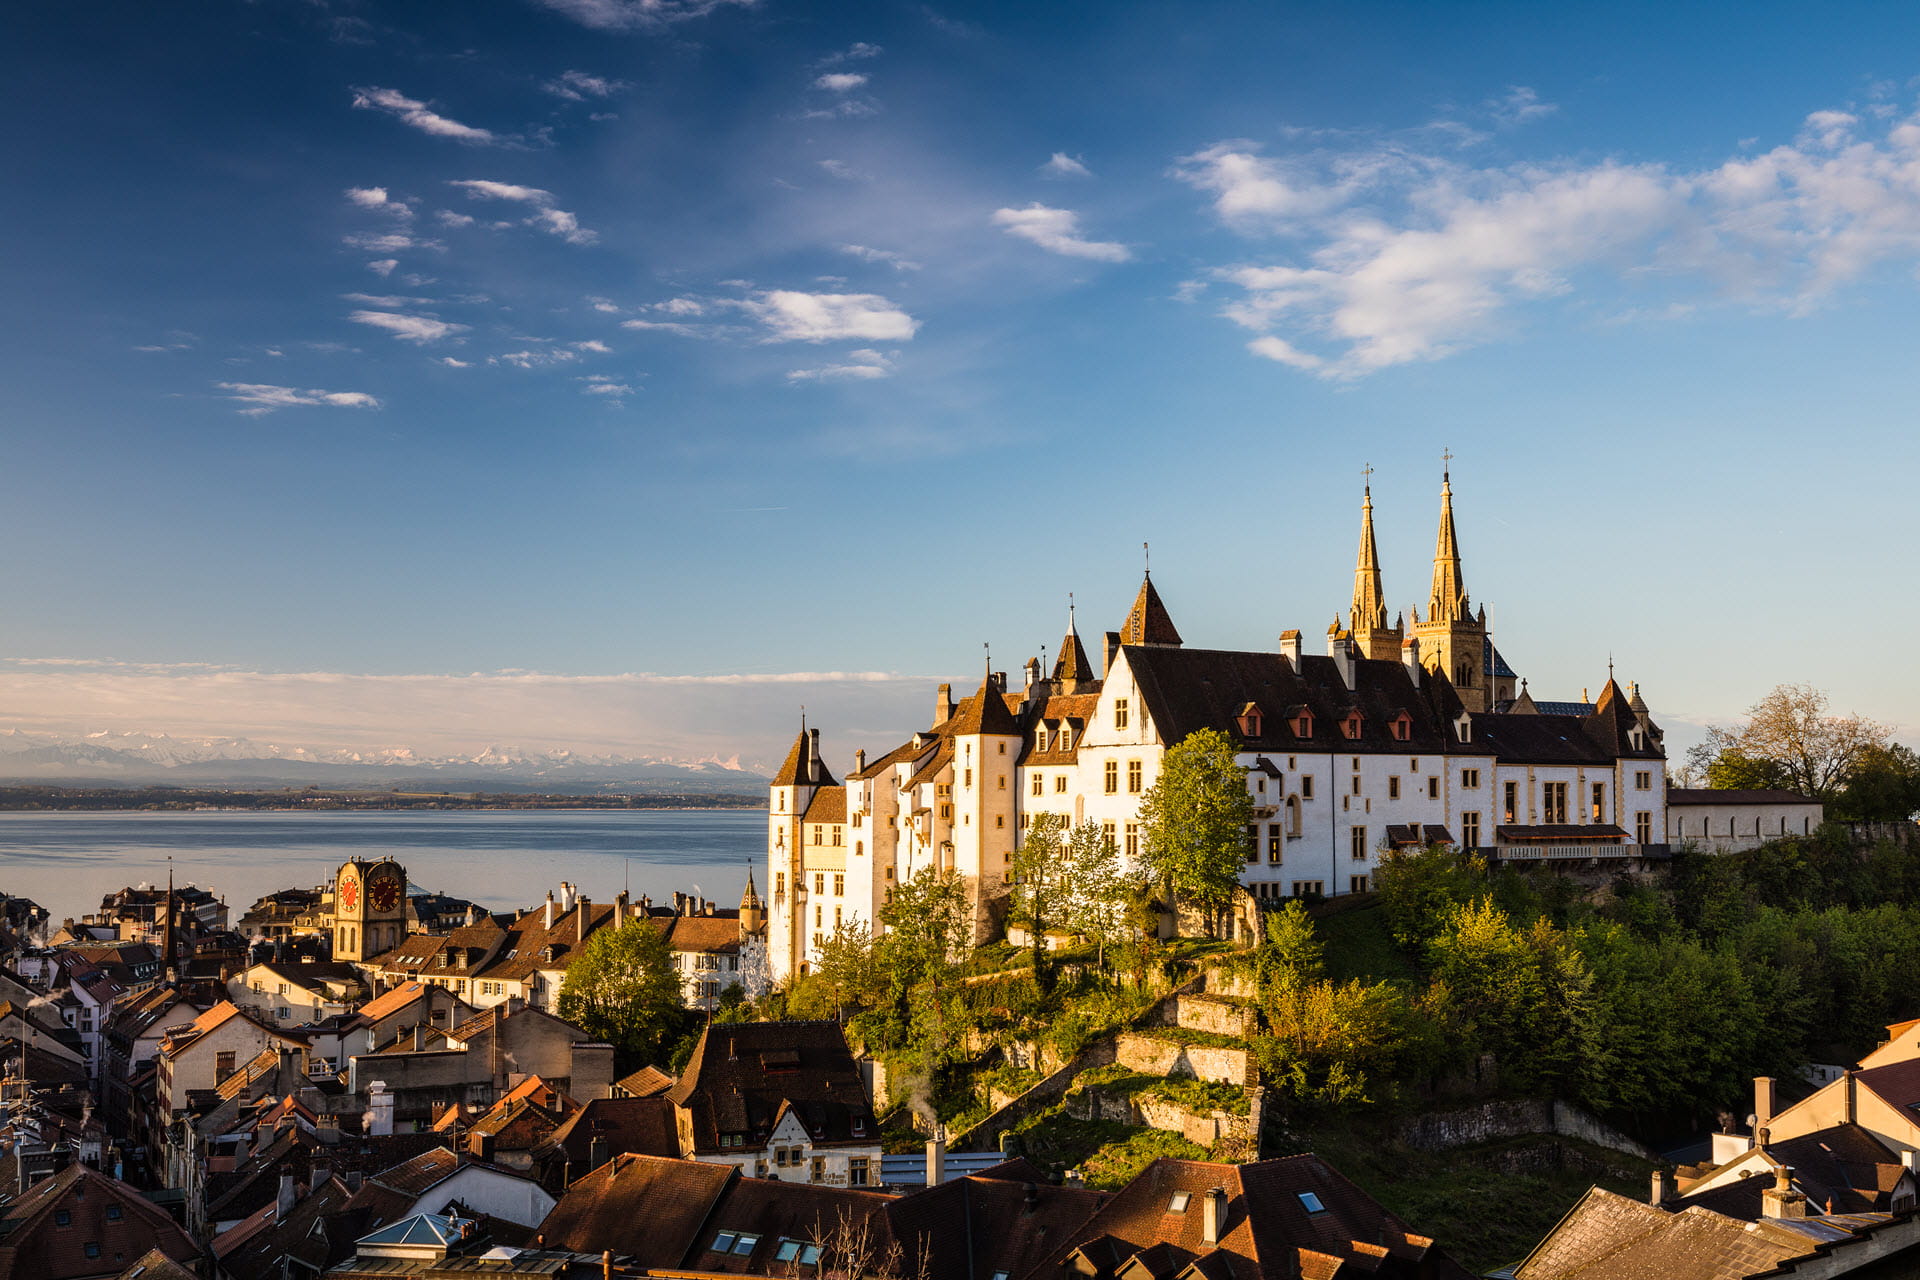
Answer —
(1293, 816)
(858, 848)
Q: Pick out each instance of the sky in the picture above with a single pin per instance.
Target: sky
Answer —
(629, 373)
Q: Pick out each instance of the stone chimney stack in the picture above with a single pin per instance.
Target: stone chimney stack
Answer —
(283, 1203)
(860, 760)
(1762, 1102)
(1780, 1200)
(580, 920)
(937, 1157)
(619, 908)
(546, 916)
(1661, 1189)
(1341, 650)
(1213, 1214)
(943, 705)
(1290, 649)
(1410, 659)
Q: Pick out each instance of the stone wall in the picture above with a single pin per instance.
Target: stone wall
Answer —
(985, 1136)
(1143, 1053)
(1204, 1129)
(1498, 1121)
(1221, 1016)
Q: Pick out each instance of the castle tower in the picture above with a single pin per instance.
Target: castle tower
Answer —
(1368, 619)
(1072, 671)
(986, 746)
(792, 790)
(369, 908)
(1148, 622)
(753, 914)
(1453, 640)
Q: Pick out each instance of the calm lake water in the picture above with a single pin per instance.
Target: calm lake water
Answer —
(66, 861)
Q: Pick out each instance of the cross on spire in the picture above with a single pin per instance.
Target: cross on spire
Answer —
(1146, 557)
(1446, 463)
(1366, 476)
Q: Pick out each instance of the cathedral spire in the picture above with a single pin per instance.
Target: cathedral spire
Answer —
(1369, 601)
(1448, 603)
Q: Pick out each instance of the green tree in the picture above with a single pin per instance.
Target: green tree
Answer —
(929, 924)
(1099, 892)
(1735, 770)
(1883, 786)
(1790, 728)
(846, 970)
(1042, 888)
(1290, 955)
(1193, 822)
(623, 988)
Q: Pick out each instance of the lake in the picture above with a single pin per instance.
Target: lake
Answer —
(500, 859)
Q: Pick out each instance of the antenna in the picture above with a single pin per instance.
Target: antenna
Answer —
(1146, 555)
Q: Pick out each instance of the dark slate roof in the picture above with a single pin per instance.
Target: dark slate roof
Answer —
(1190, 689)
(34, 1246)
(1842, 1169)
(645, 1208)
(1492, 664)
(1402, 834)
(1148, 621)
(744, 1076)
(1704, 795)
(629, 1126)
(1072, 664)
(1010, 1215)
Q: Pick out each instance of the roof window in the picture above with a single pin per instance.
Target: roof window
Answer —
(800, 1251)
(1249, 720)
(1180, 1201)
(1311, 1202)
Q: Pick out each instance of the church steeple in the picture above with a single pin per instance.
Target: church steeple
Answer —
(1448, 601)
(1368, 620)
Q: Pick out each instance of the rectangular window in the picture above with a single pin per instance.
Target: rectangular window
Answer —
(1359, 839)
(1039, 784)
(1133, 840)
(1599, 800)
(1306, 786)
(223, 1064)
(1433, 788)
(1470, 830)
(1357, 884)
(1553, 803)
(1276, 841)
(1643, 780)
(839, 835)
(1060, 784)
(1113, 777)
(1304, 888)
(1643, 827)
(1470, 779)
(819, 916)
(1106, 832)
(1040, 738)
(857, 1171)
(1134, 775)
(1513, 801)
(819, 882)
(1119, 713)
(1356, 784)
(1253, 842)
(967, 778)
(839, 884)
(1393, 787)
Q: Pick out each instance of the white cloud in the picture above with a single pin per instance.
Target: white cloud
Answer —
(595, 346)
(1058, 231)
(667, 326)
(546, 218)
(637, 15)
(578, 86)
(1063, 165)
(417, 115)
(262, 398)
(854, 52)
(862, 365)
(408, 328)
(842, 170)
(792, 316)
(897, 261)
(535, 358)
(605, 304)
(681, 307)
(451, 363)
(384, 267)
(452, 219)
(600, 384)
(1519, 106)
(377, 198)
(1411, 257)
(387, 301)
(840, 81)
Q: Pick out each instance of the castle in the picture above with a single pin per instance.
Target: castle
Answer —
(1388, 740)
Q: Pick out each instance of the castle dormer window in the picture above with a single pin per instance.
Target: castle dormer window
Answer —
(1351, 725)
(1040, 736)
(1249, 720)
(1066, 735)
(1401, 727)
(1463, 728)
(1300, 720)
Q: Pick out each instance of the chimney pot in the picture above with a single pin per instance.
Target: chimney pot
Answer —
(1213, 1209)
(1658, 1196)
(1290, 648)
(937, 1159)
(860, 760)
(580, 921)
(943, 705)
(1762, 1099)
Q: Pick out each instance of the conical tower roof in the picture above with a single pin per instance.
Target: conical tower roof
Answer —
(1369, 600)
(985, 712)
(1148, 621)
(1448, 601)
(1072, 665)
(802, 767)
(750, 900)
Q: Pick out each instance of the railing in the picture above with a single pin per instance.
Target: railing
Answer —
(1556, 852)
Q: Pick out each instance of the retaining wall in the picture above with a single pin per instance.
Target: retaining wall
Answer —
(1142, 1053)
(1497, 1121)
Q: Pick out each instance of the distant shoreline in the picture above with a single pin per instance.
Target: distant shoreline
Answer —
(65, 799)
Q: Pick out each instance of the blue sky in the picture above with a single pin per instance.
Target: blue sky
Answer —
(742, 343)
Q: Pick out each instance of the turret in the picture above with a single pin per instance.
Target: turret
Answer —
(1148, 621)
(1072, 670)
(753, 913)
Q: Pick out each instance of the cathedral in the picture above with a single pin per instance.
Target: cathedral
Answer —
(1398, 736)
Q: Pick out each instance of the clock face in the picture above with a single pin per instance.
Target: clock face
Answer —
(384, 893)
(349, 893)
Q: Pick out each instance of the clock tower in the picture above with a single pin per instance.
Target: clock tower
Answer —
(369, 908)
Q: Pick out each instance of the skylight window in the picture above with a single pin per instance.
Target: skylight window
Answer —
(1311, 1202)
(1180, 1201)
(745, 1243)
(722, 1243)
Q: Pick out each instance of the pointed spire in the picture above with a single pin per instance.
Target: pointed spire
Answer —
(169, 946)
(1148, 621)
(1369, 601)
(984, 713)
(1073, 665)
(750, 900)
(1448, 601)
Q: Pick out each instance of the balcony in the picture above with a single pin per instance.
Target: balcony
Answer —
(1521, 853)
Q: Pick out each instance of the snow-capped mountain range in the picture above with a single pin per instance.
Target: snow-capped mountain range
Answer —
(147, 758)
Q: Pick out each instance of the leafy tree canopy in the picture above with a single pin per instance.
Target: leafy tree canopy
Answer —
(1789, 740)
(623, 988)
(1194, 820)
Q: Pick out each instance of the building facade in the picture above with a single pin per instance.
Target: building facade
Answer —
(1387, 740)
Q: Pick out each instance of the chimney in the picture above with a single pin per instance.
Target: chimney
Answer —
(1031, 1197)
(1410, 658)
(937, 1157)
(1109, 647)
(943, 705)
(327, 1129)
(860, 760)
(1661, 1189)
(379, 1110)
(283, 1204)
(1340, 650)
(619, 908)
(1032, 670)
(580, 921)
(546, 918)
(318, 1175)
(813, 755)
(482, 1145)
(1290, 649)
(1910, 1161)
(1213, 1214)
(596, 1153)
(1780, 1200)
(1762, 1101)
(1852, 1109)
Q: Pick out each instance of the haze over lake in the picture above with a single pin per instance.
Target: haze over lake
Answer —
(500, 859)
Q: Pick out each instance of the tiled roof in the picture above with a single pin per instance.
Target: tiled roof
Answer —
(829, 804)
(391, 1001)
(33, 1246)
(1842, 1169)
(645, 1083)
(423, 1172)
(1011, 1215)
(1148, 622)
(1705, 795)
(629, 1126)
(986, 712)
(704, 935)
(802, 768)
(645, 1208)
(906, 752)
(1560, 833)
(744, 1076)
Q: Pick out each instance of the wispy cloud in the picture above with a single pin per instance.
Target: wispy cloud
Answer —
(862, 365)
(546, 217)
(854, 52)
(384, 267)
(578, 86)
(638, 15)
(377, 198)
(1393, 256)
(1063, 165)
(602, 385)
(593, 346)
(792, 316)
(409, 328)
(535, 357)
(417, 115)
(840, 81)
(1520, 105)
(1058, 231)
(898, 262)
(259, 397)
